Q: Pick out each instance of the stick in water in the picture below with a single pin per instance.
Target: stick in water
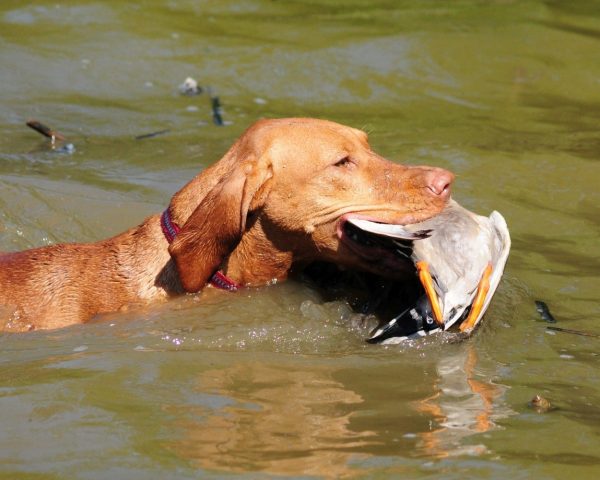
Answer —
(153, 134)
(45, 130)
(217, 112)
(574, 332)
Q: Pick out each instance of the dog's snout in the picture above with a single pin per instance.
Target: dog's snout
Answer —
(438, 181)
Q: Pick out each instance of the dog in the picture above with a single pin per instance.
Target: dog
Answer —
(279, 199)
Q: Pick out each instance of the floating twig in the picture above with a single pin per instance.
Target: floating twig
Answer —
(544, 311)
(46, 131)
(217, 112)
(152, 134)
(574, 332)
(57, 139)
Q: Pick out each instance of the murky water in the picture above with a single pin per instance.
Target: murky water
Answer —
(276, 381)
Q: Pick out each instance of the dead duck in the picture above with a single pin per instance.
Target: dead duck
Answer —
(460, 258)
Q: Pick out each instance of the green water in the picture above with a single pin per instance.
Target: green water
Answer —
(275, 382)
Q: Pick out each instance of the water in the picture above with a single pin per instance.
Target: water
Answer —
(275, 381)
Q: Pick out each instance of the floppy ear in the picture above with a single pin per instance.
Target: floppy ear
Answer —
(218, 223)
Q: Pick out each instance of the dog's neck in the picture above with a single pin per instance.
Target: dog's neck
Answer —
(274, 265)
(171, 229)
(270, 269)
(277, 258)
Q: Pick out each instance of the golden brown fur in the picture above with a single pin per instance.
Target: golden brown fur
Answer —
(273, 202)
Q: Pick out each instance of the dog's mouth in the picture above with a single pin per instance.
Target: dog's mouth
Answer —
(384, 246)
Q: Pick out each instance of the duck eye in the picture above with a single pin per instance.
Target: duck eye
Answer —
(343, 162)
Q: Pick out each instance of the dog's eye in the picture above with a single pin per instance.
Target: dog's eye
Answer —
(344, 162)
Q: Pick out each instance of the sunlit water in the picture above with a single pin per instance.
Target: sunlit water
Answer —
(276, 381)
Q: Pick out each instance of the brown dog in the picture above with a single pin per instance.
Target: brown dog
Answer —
(277, 200)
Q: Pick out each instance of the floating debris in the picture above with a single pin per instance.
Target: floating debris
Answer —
(152, 134)
(190, 87)
(57, 139)
(540, 404)
(67, 148)
(544, 311)
(46, 131)
(217, 112)
(574, 332)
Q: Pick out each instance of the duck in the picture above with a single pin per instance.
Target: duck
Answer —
(459, 258)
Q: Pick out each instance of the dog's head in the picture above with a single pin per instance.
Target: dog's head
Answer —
(284, 193)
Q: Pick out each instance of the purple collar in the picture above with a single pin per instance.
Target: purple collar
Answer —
(170, 229)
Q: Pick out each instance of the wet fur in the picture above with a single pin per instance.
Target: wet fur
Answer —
(270, 205)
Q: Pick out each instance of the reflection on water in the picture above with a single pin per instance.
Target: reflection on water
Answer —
(279, 422)
(462, 405)
(298, 421)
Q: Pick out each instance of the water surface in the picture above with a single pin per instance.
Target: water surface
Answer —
(276, 381)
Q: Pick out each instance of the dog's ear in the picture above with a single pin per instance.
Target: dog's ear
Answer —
(216, 226)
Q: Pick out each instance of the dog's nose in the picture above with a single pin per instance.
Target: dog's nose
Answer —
(438, 181)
